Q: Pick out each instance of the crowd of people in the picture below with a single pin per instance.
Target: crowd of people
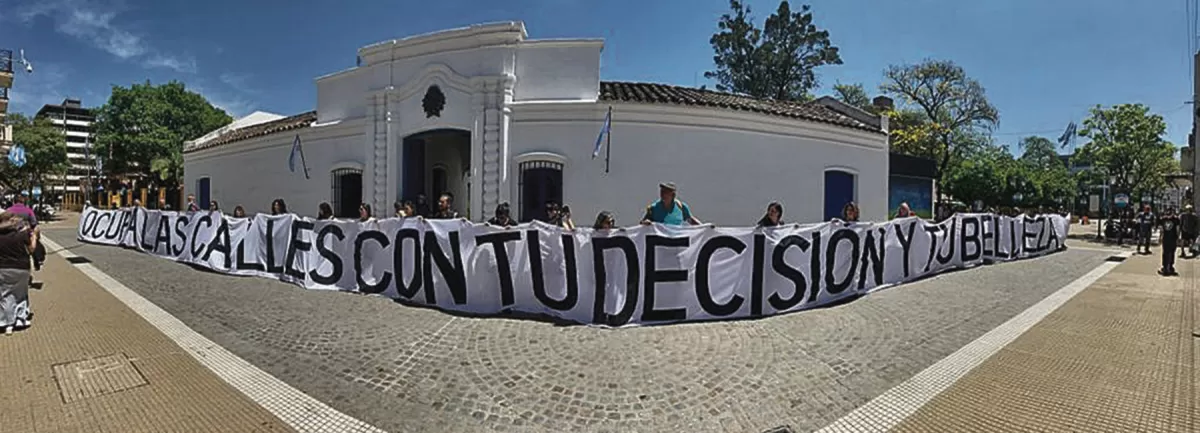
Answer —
(1176, 230)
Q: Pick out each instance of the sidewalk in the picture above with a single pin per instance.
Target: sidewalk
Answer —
(1118, 357)
(90, 364)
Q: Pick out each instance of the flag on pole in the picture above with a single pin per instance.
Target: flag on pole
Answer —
(604, 130)
(297, 150)
(16, 155)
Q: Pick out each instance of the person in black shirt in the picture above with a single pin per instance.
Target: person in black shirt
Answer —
(1189, 224)
(1169, 224)
(773, 217)
(445, 208)
(503, 216)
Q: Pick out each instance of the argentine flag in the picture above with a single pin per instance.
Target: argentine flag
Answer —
(292, 157)
(603, 132)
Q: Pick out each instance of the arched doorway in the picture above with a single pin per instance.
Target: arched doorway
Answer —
(435, 162)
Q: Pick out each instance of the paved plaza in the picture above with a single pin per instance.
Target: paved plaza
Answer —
(1118, 357)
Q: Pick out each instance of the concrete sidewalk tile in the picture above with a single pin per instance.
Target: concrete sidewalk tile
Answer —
(91, 364)
(1119, 357)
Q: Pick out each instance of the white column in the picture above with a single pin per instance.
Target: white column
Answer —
(378, 155)
(496, 96)
(392, 154)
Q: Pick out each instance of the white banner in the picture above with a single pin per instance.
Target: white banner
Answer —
(645, 275)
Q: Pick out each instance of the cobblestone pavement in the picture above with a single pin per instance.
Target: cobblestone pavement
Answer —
(414, 369)
(1118, 357)
(90, 364)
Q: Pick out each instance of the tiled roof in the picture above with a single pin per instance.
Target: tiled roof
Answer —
(302, 120)
(667, 94)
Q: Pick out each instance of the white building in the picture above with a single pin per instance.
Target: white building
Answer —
(76, 123)
(492, 116)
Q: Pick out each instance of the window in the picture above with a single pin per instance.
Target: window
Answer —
(540, 181)
(203, 196)
(839, 190)
(347, 192)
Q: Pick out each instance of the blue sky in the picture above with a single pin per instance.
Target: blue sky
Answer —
(1043, 62)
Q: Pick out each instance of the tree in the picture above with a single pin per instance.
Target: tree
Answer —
(1127, 143)
(142, 128)
(776, 62)
(985, 174)
(1051, 180)
(45, 151)
(956, 110)
(854, 95)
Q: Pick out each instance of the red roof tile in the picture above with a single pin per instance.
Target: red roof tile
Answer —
(302, 120)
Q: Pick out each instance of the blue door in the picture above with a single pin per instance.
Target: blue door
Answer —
(839, 190)
(202, 196)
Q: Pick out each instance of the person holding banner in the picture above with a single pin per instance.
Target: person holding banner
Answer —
(668, 209)
(605, 221)
(240, 212)
(324, 211)
(18, 240)
(503, 216)
(445, 208)
(773, 217)
(364, 213)
(278, 207)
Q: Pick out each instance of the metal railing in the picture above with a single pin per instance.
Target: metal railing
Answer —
(3, 93)
(6, 61)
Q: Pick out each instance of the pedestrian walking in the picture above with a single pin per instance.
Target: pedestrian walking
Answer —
(669, 209)
(1145, 224)
(1169, 234)
(18, 240)
(1189, 224)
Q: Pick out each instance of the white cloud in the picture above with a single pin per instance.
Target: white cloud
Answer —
(179, 64)
(97, 25)
(235, 105)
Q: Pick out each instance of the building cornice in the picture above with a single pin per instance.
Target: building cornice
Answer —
(341, 129)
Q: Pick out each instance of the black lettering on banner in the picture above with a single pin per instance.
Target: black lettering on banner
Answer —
(906, 243)
(1015, 248)
(182, 218)
(654, 276)
(271, 266)
(164, 234)
(534, 246)
(452, 273)
(142, 233)
(88, 223)
(196, 252)
(949, 240)
(872, 258)
(363, 237)
(832, 285)
(1026, 235)
(334, 260)
(131, 229)
(799, 285)
(970, 240)
(114, 230)
(409, 289)
(986, 223)
(220, 243)
(503, 267)
(242, 264)
(933, 244)
(756, 276)
(814, 267)
(632, 277)
(102, 225)
(296, 244)
(1054, 239)
(703, 265)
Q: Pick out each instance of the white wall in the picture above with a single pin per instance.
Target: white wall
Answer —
(252, 173)
(726, 176)
(552, 70)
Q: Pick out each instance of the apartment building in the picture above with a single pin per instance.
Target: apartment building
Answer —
(76, 123)
(6, 80)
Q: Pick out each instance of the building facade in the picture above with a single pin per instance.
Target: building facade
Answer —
(492, 116)
(76, 124)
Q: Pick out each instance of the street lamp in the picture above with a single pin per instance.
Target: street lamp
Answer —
(28, 64)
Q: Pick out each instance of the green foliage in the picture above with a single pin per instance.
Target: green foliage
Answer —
(776, 62)
(142, 128)
(45, 151)
(1127, 145)
(957, 114)
(985, 174)
(1051, 181)
(854, 95)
